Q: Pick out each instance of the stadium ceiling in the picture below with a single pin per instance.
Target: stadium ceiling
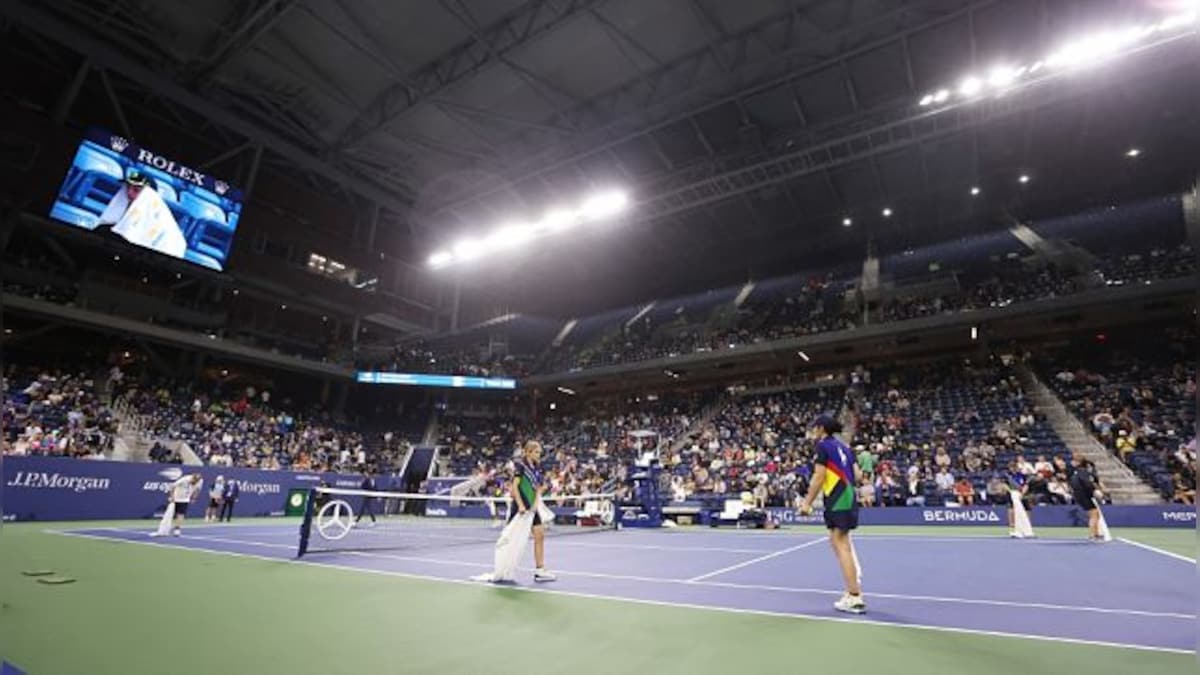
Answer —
(745, 131)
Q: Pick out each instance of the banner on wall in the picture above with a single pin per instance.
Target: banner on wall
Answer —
(1162, 515)
(56, 488)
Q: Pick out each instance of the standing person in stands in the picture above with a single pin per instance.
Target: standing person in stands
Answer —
(1083, 487)
(835, 474)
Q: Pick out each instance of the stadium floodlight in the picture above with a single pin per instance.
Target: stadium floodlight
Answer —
(604, 204)
(887, 212)
(511, 236)
(1133, 152)
(468, 249)
(567, 391)
(941, 96)
(1083, 51)
(558, 219)
(1023, 179)
(975, 191)
(846, 222)
(1181, 20)
(804, 356)
(974, 332)
(1001, 76)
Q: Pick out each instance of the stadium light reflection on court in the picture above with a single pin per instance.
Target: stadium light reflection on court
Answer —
(595, 208)
(1086, 51)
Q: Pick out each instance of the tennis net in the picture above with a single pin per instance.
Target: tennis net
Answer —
(343, 520)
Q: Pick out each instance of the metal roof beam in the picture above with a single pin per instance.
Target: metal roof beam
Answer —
(258, 24)
(490, 43)
(683, 72)
(907, 131)
(38, 20)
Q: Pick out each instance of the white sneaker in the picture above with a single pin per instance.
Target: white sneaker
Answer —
(851, 604)
(542, 576)
(485, 578)
(176, 532)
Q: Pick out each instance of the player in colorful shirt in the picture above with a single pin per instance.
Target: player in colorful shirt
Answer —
(526, 489)
(835, 474)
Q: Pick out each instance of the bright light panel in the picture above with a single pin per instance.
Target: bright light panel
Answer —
(975, 191)
(604, 205)
(887, 213)
(846, 222)
(599, 206)
(1083, 51)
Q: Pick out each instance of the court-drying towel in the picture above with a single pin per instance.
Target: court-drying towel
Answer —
(1022, 526)
(1103, 524)
(546, 514)
(510, 547)
(164, 525)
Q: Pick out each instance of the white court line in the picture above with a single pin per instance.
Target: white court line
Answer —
(557, 541)
(759, 559)
(698, 581)
(1155, 549)
(655, 603)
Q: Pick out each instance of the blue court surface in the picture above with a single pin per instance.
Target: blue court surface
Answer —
(1120, 594)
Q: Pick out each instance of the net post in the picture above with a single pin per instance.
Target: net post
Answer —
(306, 523)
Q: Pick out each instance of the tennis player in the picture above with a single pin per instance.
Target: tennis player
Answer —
(836, 472)
(1083, 488)
(526, 489)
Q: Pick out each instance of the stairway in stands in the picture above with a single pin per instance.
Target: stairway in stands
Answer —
(1122, 484)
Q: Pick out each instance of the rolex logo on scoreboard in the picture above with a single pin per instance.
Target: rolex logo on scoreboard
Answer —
(221, 187)
(118, 144)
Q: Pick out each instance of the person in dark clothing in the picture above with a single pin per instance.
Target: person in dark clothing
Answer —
(368, 502)
(1083, 488)
(232, 491)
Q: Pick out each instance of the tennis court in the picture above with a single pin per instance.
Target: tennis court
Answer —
(934, 597)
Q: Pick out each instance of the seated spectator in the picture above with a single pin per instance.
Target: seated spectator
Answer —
(1043, 466)
(1126, 444)
(997, 490)
(866, 462)
(914, 493)
(942, 458)
(866, 492)
(945, 483)
(1059, 489)
(964, 492)
(1185, 492)
(1023, 466)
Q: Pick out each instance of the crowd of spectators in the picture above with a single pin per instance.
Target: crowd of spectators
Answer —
(247, 429)
(940, 435)
(55, 413)
(1138, 399)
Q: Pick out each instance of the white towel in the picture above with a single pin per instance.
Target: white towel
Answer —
(167, 522)
(1103, 525)
(510, 547)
